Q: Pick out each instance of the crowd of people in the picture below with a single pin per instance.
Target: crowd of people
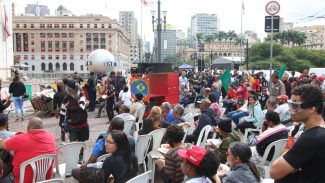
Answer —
(286, 107)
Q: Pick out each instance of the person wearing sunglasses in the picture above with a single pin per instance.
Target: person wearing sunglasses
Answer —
(304, 162)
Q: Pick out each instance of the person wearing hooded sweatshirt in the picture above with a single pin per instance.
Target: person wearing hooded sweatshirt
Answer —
(35, 142)
(254, 118)
(207, 117)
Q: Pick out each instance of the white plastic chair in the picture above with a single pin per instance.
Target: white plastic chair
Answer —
(128, 124)
(202, 140)
(267, 181)
(103, 157)
(278, 150)
(70, 154)
(139, 115)
(157, 136)
(52, 181)
(40, 166)
(141, 149)
(143, 178)
(188, 117)
(221, 105)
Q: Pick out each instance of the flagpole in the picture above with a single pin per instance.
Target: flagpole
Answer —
(241, 31)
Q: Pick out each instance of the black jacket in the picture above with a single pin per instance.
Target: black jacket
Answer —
(17, 89)
(3, 105)
(207, 118)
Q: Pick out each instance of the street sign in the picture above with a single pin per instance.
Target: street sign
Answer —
(272, 8)
(268, 23)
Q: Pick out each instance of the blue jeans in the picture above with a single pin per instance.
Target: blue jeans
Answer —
(19, 105)
(234, 115)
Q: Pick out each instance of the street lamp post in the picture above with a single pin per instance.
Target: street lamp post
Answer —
(158, 21)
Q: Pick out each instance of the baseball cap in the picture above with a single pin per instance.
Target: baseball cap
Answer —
(320, 78)
(284, 97)
(72, 84)
(204, 101)
(194, 155)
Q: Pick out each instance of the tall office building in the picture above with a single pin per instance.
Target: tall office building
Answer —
(168, 42)
(61, 44)
(37, 10)
(130, 24)
(206, 24)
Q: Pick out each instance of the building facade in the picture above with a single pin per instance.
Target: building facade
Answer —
(37, 10)
(61, 44)
(129, 22)
(168, 43)
(315, 36)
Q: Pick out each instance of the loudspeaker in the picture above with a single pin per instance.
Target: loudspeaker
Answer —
(200, 64)
(154, 67)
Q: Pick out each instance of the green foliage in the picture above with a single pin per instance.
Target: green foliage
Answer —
(296, 59)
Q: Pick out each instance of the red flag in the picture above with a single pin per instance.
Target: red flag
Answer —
(6, 24)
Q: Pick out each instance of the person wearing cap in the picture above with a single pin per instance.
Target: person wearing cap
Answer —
(321, 80)
(198, 165)
(263, 97)
(275, 131)
(283, 109)
(224, 131)
(76, 119)
(4, 103)
(137, 104)
(207, 117)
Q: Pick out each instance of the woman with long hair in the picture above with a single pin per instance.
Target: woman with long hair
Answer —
(123, 164)
(18, 89)
(152, 122)
(243, 169)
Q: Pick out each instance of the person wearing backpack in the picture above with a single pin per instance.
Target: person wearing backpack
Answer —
(76, 114)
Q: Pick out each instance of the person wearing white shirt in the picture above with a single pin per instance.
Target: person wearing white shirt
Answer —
(183, 79)
(125, 96)
(283, 108)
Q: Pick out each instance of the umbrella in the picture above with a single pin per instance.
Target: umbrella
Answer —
(186, 66)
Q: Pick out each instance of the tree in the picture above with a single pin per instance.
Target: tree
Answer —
(289, 38)
(199, 37)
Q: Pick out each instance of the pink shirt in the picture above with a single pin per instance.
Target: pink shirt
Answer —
(242, 92)
(216, 108)
(29, 145)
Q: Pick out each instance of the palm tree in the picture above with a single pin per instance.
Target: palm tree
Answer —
(220, 36)
(231, 35)
(209, 39)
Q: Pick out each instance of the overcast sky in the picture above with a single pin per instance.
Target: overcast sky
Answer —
(179, 12)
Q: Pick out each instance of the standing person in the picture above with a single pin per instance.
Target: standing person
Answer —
(243, 169)
(277, 88)
(35, 142)
(123, 164)
(183, 79)
(110, 100)
(57, 107)
(91, 88)
(4, 103)
(120, 82)
(304, 162)
(17, 89)
(287, 85)
(76, 114)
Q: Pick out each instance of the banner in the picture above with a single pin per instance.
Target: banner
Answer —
(281, 71)
(226, 80)
(140, 86)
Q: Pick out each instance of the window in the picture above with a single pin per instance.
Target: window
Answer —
(81, 67)
(42, 57)
(103, 26)
(49, 45)
(42, 35)
(64, 57)
(49, 35)
(109, 25)
(57, 67)
(64, 45)
(81, 25)
(81, 57)
(71, 57)
(33, 57)
(49, 57)
(64, 67)
(110, 35)
(71, 25)
(71, 35)
(81, 49)
(57, 57)
(49, 25)
(50, 66)
(64, 35)
(25, 25)
(71, 44)
(56, 26)
(25, 57)
(57, 46)
(71, 67)
(33, 67)
(88, 25)
(17, 25)
(41, 26)
(43, 46)
(32, 42)
(32, 26)
(64, 25)
(57, 35)
(43, 67)
(95, 25)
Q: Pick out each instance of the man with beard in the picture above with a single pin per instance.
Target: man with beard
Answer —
(76, 123)
(304, 162)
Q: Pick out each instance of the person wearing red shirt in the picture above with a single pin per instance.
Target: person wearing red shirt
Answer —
(35, 142)
(242, 91)
(232, 93)
(256, 84)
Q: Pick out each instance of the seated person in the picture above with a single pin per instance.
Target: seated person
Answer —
(170, 168)
(274, 132)
(242, 169)
(99, 147)
(254, 119)
(229, 103)
(225, 133)
(190, 97)
(152, 122)
(167, 112)
(242, 110)
(283, 109)
(90, 174)
(215, 106)
(124, 111)
(4, 132)
(263, 97)
(137, 104)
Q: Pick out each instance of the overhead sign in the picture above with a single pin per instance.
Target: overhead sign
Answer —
(268, 23)
(272, 8)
